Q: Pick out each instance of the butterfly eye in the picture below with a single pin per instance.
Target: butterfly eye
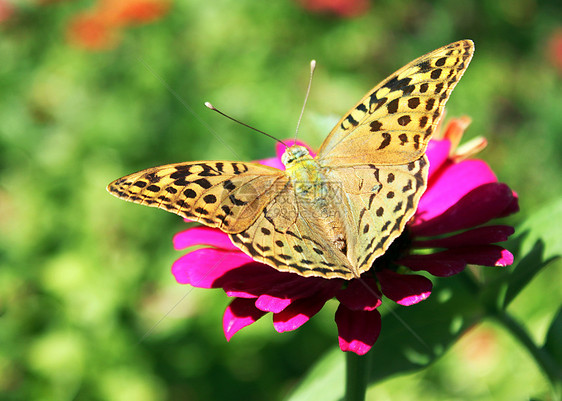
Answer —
(294, 153)
(300, 151)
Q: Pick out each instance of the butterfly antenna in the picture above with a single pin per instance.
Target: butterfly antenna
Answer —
(312, 68)
(209, 105)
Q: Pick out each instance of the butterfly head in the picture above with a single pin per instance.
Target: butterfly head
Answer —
(295, 154)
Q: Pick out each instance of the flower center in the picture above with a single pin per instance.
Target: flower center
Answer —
(395, 251)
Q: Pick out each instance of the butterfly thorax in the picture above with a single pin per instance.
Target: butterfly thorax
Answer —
(316, 196)
(305, 174)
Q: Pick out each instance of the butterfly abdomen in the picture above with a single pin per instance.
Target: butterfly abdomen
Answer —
(318, 200)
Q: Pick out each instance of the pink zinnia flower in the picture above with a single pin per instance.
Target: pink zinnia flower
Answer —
(462, 194)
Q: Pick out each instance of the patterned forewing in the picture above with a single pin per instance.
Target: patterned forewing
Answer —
(379, 204)
(291, 236)
(393, 123)
(226, 195)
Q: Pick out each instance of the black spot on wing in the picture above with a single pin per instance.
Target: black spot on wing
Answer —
(352, 121)
(392, 107)
(386, 141)
(430, 103)
(404, 120)
(203, 183)
(190, 193)
(413, 102)
(236, 201)
(210, 198)
(375, 126)
(152, 178)
(207, 171)
(395, 84)
(441, 62)
(424, 66)
(436, 73)
(362, 108)
(228, 185)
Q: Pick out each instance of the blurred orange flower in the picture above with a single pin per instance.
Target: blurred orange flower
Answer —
(139, 12)
(6, 10)
(91, 32)
(100, 28)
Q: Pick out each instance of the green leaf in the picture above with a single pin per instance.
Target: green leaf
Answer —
(553, 343)
(539, 242)
(325, 381)
(411, 338)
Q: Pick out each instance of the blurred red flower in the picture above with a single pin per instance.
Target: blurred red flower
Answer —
(6, 10)
(555, 49)
(342, 8)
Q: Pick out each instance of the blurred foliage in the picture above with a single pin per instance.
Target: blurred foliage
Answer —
(89, 309)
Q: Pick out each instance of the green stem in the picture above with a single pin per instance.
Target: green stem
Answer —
(542, 358)
(357, 375)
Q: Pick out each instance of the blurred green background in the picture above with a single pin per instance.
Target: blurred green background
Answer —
(93, 91)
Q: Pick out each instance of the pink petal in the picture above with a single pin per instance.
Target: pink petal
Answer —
(477, 207)
(361, 294)
(274, 162)
(404, 289)
(277, 284)
(453, 182)
(268, 303)
(440, 267)
(477, 236)
(505, 260)
(203, 267)
(453, 261)
(513, 207)
(239, 314)
(437, 153)
(483, 255)
(202, 235)
(299, 312)
(253, 282)
(357, 330)
(276, 296)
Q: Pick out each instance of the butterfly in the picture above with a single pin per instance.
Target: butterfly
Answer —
(332, 215)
